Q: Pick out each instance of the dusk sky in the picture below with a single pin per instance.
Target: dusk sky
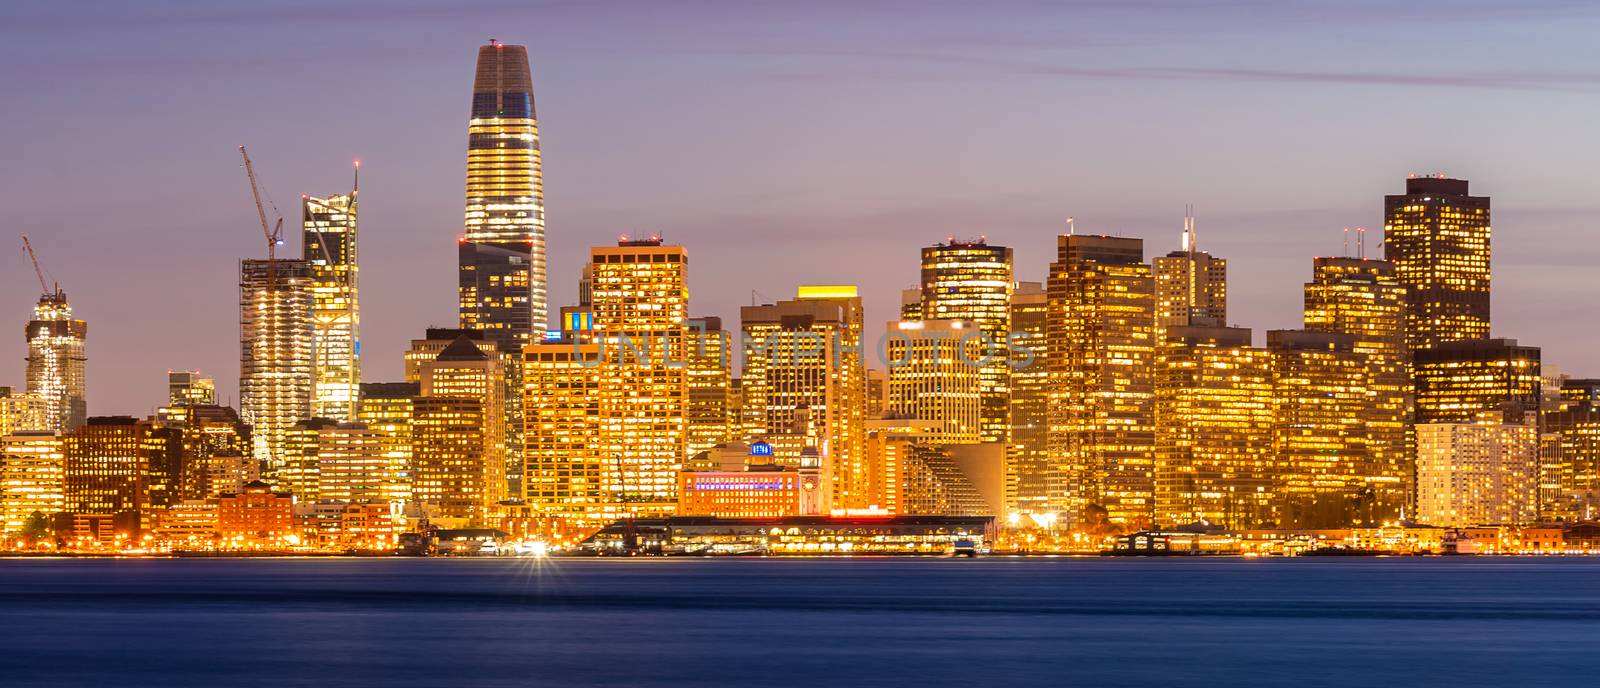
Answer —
(782, 144)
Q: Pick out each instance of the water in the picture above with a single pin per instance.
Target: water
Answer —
(800, 622)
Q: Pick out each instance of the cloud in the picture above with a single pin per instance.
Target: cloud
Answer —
(1512, 80)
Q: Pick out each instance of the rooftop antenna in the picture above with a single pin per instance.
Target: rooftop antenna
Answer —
(1071, 228)
(1190, 241)
(1346, 242)
(1361, 243)
(356, 186)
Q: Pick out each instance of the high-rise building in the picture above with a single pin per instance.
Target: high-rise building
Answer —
(387, 408)
(972, 281)
(502, 250)
(56, 362)
(329, 226)
(934, 375)
(640, 303)
(572, 485)
(435, 340)
(458, 446)
(217, 451)
(1101, 349)
(354, 465)
(1036, 480)
(32, 478)
(107, 467)
(803, 359)
(1214, 429)
(1571, 487)
(502, 286)
(1322, 468)
(190, 388)
(276, 351)
(22, 411)
(1191, 286)
(709, 419)
(1363, 298)
(1437, 237)
(1457, 381)
(1476, 473)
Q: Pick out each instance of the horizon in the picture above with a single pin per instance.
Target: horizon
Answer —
(805, 154)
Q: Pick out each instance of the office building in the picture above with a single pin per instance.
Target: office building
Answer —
(276, 351)
(640, 303)
(1101, 349)
(1191, 285)
(1364, 299)
(1323, 472)
(1477, 473)
(935, 375)
(458, 444)
(1036, 481)
(329, 241)
(1457, 381)
(803, 358)
(972, 281)
(32, 479)
(1214, 429)
(710, 420)
(56, 361)
(1437, 236)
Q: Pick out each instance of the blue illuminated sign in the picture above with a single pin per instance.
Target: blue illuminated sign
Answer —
(761, 449)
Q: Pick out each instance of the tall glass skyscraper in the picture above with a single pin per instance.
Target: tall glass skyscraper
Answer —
(501, 253)
(502, 286)
(329, 240)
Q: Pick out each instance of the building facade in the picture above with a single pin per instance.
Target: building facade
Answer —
(56, 362)
(276, 351)
(972, 281)
(329, 241)
(1101, 353)
(1437, 236)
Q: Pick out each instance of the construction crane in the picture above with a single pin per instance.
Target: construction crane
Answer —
(44, 284)
(274, 235)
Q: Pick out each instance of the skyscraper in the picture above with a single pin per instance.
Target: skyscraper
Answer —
(329, 240)
(56, 362)
(276, 353)
(709, 418)
(934, 376)
(1437, 237)
(569, 483)
(641, 301)
(972, 281)
(32, 478)
(1476, 473)
(1457, 382)
(502, 286)
(1036, 480)
(802, 360)
(1101, 356)
(1322, 468)
(1214, 429)
(1191, 286)
(502, 249)
(1362, 297)
(458, 445)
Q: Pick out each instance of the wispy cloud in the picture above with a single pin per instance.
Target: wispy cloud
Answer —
(980, 66)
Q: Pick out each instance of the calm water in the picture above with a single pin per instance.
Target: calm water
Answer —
(813, 623)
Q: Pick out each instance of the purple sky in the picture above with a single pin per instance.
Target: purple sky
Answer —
(782, 143)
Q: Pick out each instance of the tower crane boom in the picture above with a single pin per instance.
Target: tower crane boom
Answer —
(44, 285)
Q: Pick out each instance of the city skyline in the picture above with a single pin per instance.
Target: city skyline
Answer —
(746, 226)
